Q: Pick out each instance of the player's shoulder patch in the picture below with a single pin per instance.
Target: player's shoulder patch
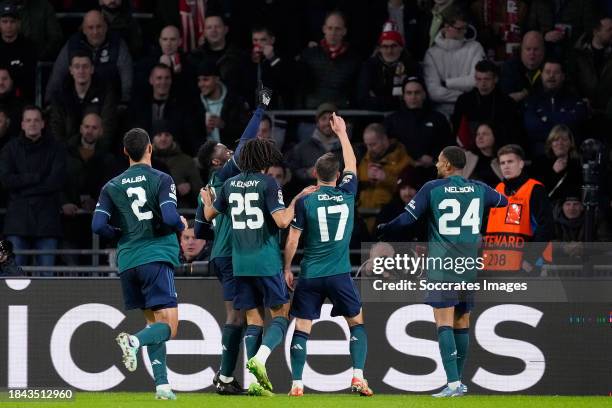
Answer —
(347, 177)
(281, 201)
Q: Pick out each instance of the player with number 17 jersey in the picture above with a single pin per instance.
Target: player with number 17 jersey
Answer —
(329, 214)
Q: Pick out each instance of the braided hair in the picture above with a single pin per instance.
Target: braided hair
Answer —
(259, 154)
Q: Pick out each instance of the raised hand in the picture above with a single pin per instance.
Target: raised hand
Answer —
(337, 124)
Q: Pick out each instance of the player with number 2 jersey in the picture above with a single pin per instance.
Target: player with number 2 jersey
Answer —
(139, 207)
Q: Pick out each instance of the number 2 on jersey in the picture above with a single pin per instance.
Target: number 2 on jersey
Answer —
(341, 209)
(471, 217)
(141, 200)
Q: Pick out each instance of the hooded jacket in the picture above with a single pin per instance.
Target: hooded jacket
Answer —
(449, 67)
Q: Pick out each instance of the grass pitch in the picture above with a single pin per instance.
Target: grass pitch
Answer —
(209, 400)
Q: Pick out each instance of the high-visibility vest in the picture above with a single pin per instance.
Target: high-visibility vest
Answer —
(508, 229)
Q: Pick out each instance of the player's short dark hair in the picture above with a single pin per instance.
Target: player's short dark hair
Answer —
(259, 154)
(511, 149)
(135, 142)
(205, 153)
(327, 167)
(81, 53)
(455, 156)
(485, 66)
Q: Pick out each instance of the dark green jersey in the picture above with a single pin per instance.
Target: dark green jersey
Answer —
(133, 201)
(222, 225)
(455, 208)
(249, 200)
(326, 217)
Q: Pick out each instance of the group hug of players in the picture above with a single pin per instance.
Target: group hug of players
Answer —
(245, 209)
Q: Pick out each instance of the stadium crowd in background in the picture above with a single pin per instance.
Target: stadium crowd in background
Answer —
(535, 73)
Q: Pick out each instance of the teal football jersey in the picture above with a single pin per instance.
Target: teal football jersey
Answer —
(222, 225)
(326, 218)
(133, 201)
(249, 200)
(455, 208)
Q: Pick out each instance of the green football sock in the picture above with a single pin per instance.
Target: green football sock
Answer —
(298, 353)
(230, 341)
(448, 351)
(157, 356)
(358, 346)
(153, 334)
(252, 339)
(462, 341)
(275, 332)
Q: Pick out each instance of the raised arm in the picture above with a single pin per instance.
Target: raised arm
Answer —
(339, 127)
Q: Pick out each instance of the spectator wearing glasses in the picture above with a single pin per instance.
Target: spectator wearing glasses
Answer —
(382, 75)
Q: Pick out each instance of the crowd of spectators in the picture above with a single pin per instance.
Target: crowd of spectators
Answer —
(430, 73)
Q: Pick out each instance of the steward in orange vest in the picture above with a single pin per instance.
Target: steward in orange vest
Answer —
(526, 219)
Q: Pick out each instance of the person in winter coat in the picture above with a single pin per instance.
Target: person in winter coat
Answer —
(591, 65)
(553, 105)
(481, 161)
(118, 15)
(485, 103)
(32, 169)
(378, 169)
(329, 68)
(82, 93)
(424, 131)
(569, 218)
(40, 25)
(559, 169)
(323, 140)
(17, 53)
(182, 167)
(449, 65)
(382, 75)
(110, 55)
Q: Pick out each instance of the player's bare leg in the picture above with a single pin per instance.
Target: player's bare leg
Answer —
(461, 333)
(273, 337)
(358, 346)
(445, 319)
(298, 355)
